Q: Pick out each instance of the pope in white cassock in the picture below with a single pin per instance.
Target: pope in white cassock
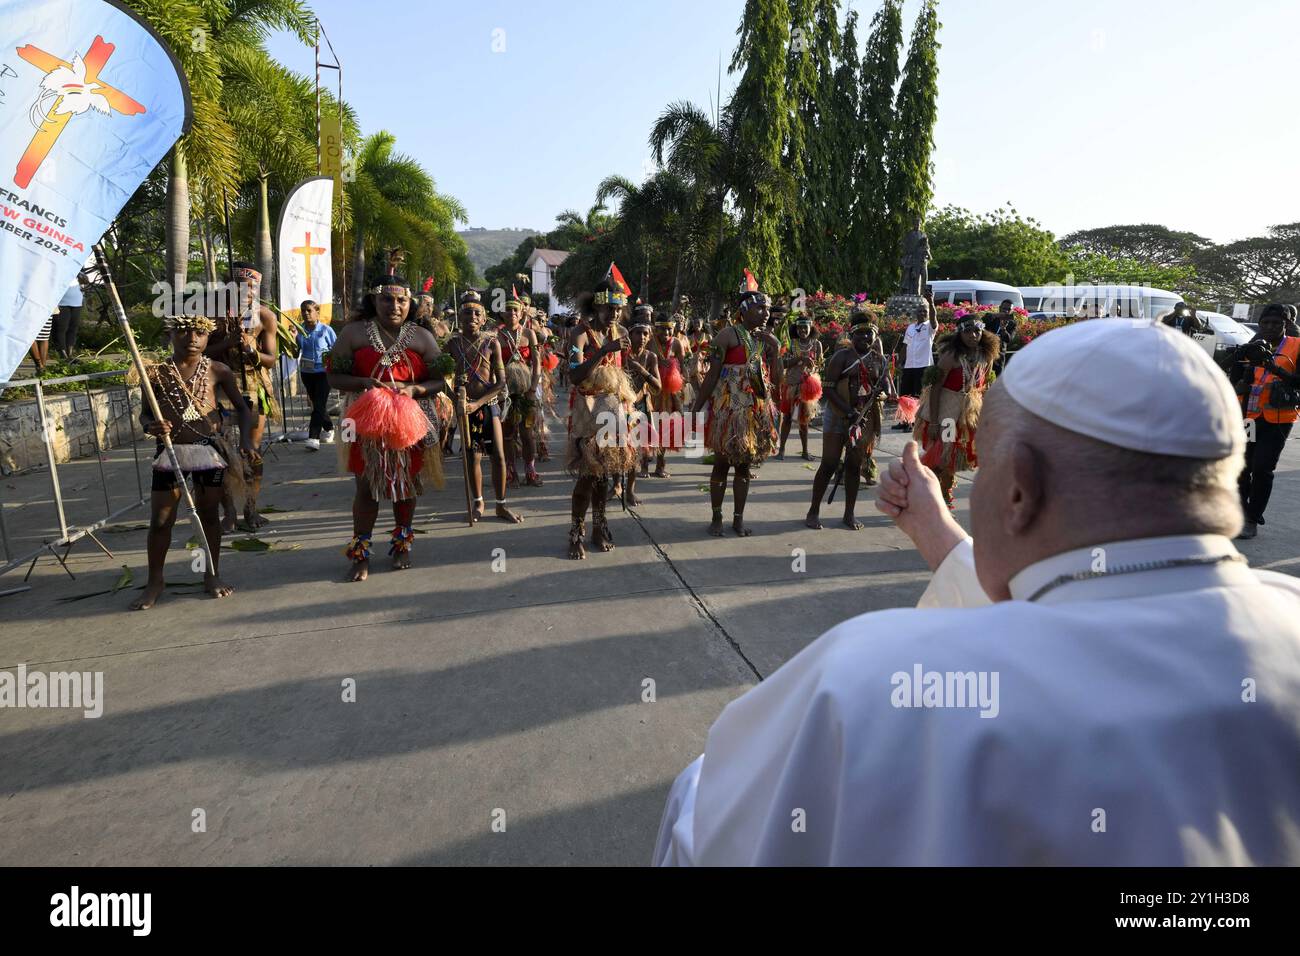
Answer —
(1096, 678)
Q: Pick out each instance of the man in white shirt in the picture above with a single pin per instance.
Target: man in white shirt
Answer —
(1097, 678)
(918, 340)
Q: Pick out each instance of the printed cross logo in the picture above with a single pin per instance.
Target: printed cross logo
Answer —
(67, 90)
(307, 251)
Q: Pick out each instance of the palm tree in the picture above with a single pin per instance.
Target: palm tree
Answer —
(702, 153)
(202, 36)
(661, 207)
(394, 202)
(575, 228)
(637, 216)
(266, 105)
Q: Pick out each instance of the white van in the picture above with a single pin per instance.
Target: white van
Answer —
(1228, 333)
(1106, 301)
(974, 291)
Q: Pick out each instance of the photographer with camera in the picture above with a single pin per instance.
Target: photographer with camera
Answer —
(1263, 372)
(1186, 320)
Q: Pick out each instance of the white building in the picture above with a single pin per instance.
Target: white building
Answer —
(543, 263)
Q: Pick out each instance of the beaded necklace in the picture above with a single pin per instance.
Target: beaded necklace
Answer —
(512, 337)
(970, 368)
(390, 355)
(187, 399)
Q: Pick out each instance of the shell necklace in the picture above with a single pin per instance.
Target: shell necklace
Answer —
(189, 394)
(390, 355)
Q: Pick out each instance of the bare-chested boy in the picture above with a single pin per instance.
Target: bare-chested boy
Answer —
(857, 384)
(480, 368)
(186, 387)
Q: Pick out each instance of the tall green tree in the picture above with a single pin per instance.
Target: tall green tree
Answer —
(394, 203)
(203, 35)
(639, 216)
(1147, 242)
(265, 104)
(911, 173)
(707, 157)
(872, 243)
(800, 94)
(814, 45)
(845, 141)
(760, 111)
(1001, 246)
(1258, 269)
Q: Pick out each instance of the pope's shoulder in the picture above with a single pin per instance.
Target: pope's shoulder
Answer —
(1276, 579)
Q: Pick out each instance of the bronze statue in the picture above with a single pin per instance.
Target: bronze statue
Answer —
(915, 261)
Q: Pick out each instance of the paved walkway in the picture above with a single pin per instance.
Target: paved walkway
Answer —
(480, 694)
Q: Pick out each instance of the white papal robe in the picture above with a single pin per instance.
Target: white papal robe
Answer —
(1148, 718)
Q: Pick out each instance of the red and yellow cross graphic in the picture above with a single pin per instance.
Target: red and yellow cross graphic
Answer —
(54, 123)
(307, 250)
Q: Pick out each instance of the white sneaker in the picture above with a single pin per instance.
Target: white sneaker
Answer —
(313, 444)
(327, 438)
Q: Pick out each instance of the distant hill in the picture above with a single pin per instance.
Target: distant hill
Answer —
(487, 247)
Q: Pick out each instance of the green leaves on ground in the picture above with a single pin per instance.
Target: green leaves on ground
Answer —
(123, 580)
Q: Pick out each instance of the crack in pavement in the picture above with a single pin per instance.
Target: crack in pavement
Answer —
(700, 607)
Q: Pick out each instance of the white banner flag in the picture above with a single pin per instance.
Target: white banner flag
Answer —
(306, 260)
(90, 101)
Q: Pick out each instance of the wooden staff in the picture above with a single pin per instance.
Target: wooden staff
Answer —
(466, 451)
(146, 387)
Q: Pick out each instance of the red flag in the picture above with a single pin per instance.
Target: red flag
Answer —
(428, 284)
(513, 293)
(750, 284)
(616, 277)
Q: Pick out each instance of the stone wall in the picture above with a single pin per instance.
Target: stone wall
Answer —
(71, 426)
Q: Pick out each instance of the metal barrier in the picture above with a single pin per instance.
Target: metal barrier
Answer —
(70, 534)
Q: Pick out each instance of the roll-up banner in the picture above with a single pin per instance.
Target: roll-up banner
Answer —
(303, 242)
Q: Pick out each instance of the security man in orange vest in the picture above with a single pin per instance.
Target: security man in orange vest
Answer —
(1265, 374)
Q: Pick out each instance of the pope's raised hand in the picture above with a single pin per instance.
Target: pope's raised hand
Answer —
(910, 495)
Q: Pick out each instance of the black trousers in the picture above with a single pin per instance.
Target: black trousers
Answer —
(65, 328)
(1256, 480)
(318, 390)
(910, 381)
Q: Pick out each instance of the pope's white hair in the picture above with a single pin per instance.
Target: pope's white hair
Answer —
(1105, 479)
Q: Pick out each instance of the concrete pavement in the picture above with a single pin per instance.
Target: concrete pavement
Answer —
(480, 695)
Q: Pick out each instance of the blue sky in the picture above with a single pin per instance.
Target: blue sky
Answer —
(1080, 114)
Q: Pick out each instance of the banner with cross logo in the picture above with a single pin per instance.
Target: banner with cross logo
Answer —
(306, 262)
(93, 101)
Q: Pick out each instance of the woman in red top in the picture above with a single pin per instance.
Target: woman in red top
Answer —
(381, 349)
(745, 373)
(949, 410)
(670, 398)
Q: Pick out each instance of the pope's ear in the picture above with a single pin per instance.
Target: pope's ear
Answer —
(1025, 487)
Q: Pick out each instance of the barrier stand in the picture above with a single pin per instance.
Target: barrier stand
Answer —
(70, 535)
